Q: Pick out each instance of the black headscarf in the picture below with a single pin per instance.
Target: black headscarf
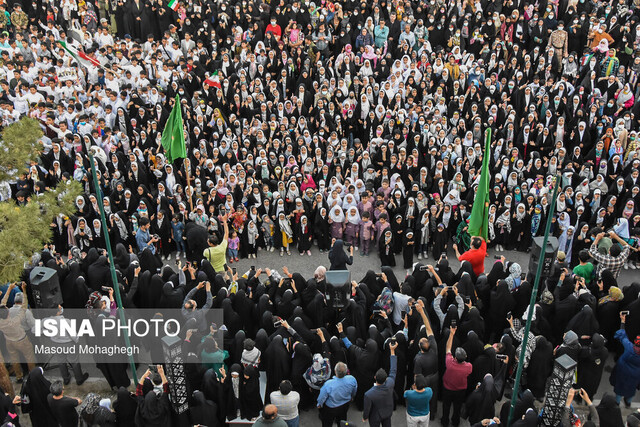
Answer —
(338, 257)
(530, 419)
(250, 398)
(584, 323)
(202, 410)
(278, 362)
(609, 411)
(37, 388)
(125, 407)
(481, 402)
(540, 366)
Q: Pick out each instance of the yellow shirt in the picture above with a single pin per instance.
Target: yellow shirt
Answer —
(217, 256)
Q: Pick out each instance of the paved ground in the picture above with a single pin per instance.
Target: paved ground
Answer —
(306, 266)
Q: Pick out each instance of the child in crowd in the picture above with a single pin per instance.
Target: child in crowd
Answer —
(234, 246)
(177, 234)
(252, 239)
(267, 232)
(366, 233)
(352, 227)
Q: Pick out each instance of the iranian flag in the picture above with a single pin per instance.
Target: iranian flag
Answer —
(79, 56)
(173, 5)
(214, 80)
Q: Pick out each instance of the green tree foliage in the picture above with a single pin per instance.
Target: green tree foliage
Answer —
(19, 147)
(24, 230)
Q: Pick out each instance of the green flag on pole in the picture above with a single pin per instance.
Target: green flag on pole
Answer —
(479, 220)
(173, 134)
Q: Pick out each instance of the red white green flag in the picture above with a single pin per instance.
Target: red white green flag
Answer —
(214, 80)
(81, 57)
(173, 5)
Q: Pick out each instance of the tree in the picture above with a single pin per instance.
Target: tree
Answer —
(24, 230)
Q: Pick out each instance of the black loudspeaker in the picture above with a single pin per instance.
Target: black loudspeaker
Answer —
(45, 287)
(338, 288)
(547, 256)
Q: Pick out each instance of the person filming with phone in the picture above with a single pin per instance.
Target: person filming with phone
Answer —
(190, 306)
(475, 255)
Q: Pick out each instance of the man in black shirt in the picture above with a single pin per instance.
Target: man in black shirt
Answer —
(63, 408)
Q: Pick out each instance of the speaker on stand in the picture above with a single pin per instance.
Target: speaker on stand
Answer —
(45, 287)
(545, 255)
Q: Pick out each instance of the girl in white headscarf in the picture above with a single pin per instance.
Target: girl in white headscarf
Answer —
(352, 226)
(336, 222)
(286, 233)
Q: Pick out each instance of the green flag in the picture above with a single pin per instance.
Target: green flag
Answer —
(479, 220)
(173, 134)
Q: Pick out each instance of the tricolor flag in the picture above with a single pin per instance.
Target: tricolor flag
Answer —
(79, 56)
(214, 80)
(173, 5)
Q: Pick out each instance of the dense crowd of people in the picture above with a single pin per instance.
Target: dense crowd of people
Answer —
(337, 127)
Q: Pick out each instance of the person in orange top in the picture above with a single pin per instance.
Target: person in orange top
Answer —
(599, 34)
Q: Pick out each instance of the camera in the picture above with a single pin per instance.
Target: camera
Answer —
(106, 289)
(424, 268)
(501, 356)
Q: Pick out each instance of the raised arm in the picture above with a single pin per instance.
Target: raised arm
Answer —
(225, 224)
(425, 318)
(452, 332)
(435, 275)
(5, 298)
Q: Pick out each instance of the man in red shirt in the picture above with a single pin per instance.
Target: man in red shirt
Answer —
(274, 28)
(454, 381)
(475, 255)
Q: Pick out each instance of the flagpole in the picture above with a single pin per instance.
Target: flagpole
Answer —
(112, 268)
(532, 301)
(186, 168)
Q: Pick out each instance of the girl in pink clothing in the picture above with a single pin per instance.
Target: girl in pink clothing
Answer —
(233, 247)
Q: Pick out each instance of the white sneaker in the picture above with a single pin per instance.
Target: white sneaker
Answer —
(281, 253)
(177, 256)
(288, 252)
(632, 266)
(419, 256)
(272, 249)
(301, 253)
(309, 253)
(626, 265)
